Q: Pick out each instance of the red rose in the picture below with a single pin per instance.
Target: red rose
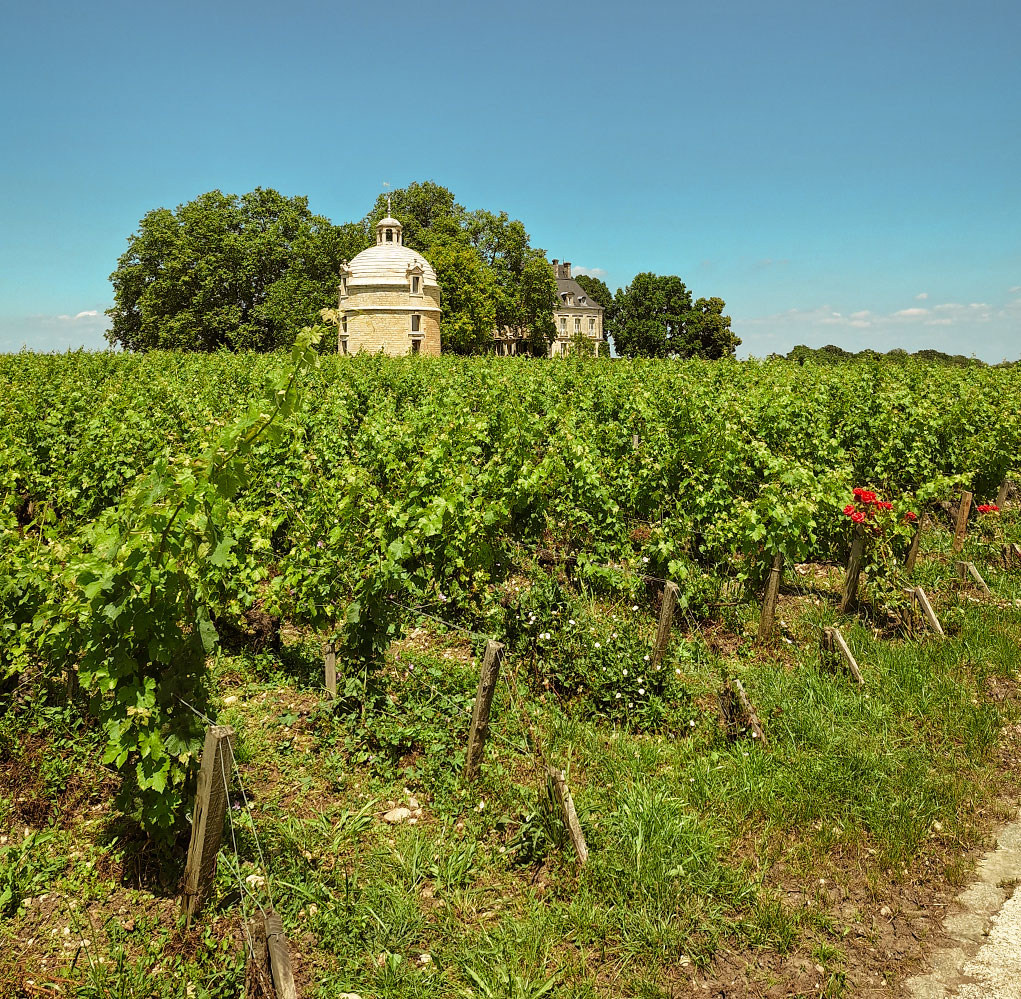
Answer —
(857, 517)
(849, 509)
(910, 516)
(857, 491)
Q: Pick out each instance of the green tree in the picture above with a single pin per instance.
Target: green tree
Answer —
(227, 271)
(708, 333)
(469, 307)
(537, 300)
(654, 317)
(649, 315)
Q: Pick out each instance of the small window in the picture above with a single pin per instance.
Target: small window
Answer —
(343, 346)
(343, 285)
(389, 235)
(591, 326)
(343, 323)
(415, 279)
(416, 346)
(577, 325)
(416, 323)
(563, 323)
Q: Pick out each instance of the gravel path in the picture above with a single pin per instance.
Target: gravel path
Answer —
(984, 960)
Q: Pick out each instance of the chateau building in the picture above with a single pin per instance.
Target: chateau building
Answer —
(389, 298)
(576, 315)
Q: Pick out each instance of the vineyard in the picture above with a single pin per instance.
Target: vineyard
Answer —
(182, 537)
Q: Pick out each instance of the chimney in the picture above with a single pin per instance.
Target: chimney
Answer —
(556, 267)
(567, 268)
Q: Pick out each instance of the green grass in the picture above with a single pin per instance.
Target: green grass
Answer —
(693, 839)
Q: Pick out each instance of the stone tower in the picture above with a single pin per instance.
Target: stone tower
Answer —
(389, 298)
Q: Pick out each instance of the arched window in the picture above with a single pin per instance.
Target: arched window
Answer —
(389, 235)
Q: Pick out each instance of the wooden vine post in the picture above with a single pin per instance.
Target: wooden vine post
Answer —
(330, 668)
(854, 565)
(207, 821)
(909, 562)
(769, 601)
(480, 712)
(919, 599)
(962, 521)
(666, 619)
(738, 712)
(966, 569)
(279, 957)
(562, 793)
(1001, 494)
(833, 642)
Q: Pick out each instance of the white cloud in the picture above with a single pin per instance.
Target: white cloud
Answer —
(1016, 289)
(921, 296)
(915, 313)
(55, 332)
(596, 272)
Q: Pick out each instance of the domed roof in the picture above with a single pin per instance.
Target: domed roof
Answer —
(388, 263)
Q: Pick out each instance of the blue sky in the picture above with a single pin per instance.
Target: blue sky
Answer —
(845, 174)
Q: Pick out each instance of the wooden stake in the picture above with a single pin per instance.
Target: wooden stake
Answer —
(258, 976)
(635, 441)
(918, 596)
(1001, 494)
(207, 821)
(279, 957)
(909, 562)
(966, 569)
(480, 713)
(769, 601)
(563, 795)
(753, 718)
(962, 521)
(1011, 554)
(833, 641)
(666, 620)
(854, 565)
(330, 664)
(740, 715)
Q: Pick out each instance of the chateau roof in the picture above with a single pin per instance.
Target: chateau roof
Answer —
(582, 298)
(388, 263)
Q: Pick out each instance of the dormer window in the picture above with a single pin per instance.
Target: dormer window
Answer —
(415, 284)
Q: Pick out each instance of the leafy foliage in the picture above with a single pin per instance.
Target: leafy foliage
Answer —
(224, 271)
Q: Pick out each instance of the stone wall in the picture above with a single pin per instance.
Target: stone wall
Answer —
(380, 318)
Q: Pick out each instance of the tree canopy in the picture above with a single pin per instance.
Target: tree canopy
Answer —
(227, 271)
(654, 317)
